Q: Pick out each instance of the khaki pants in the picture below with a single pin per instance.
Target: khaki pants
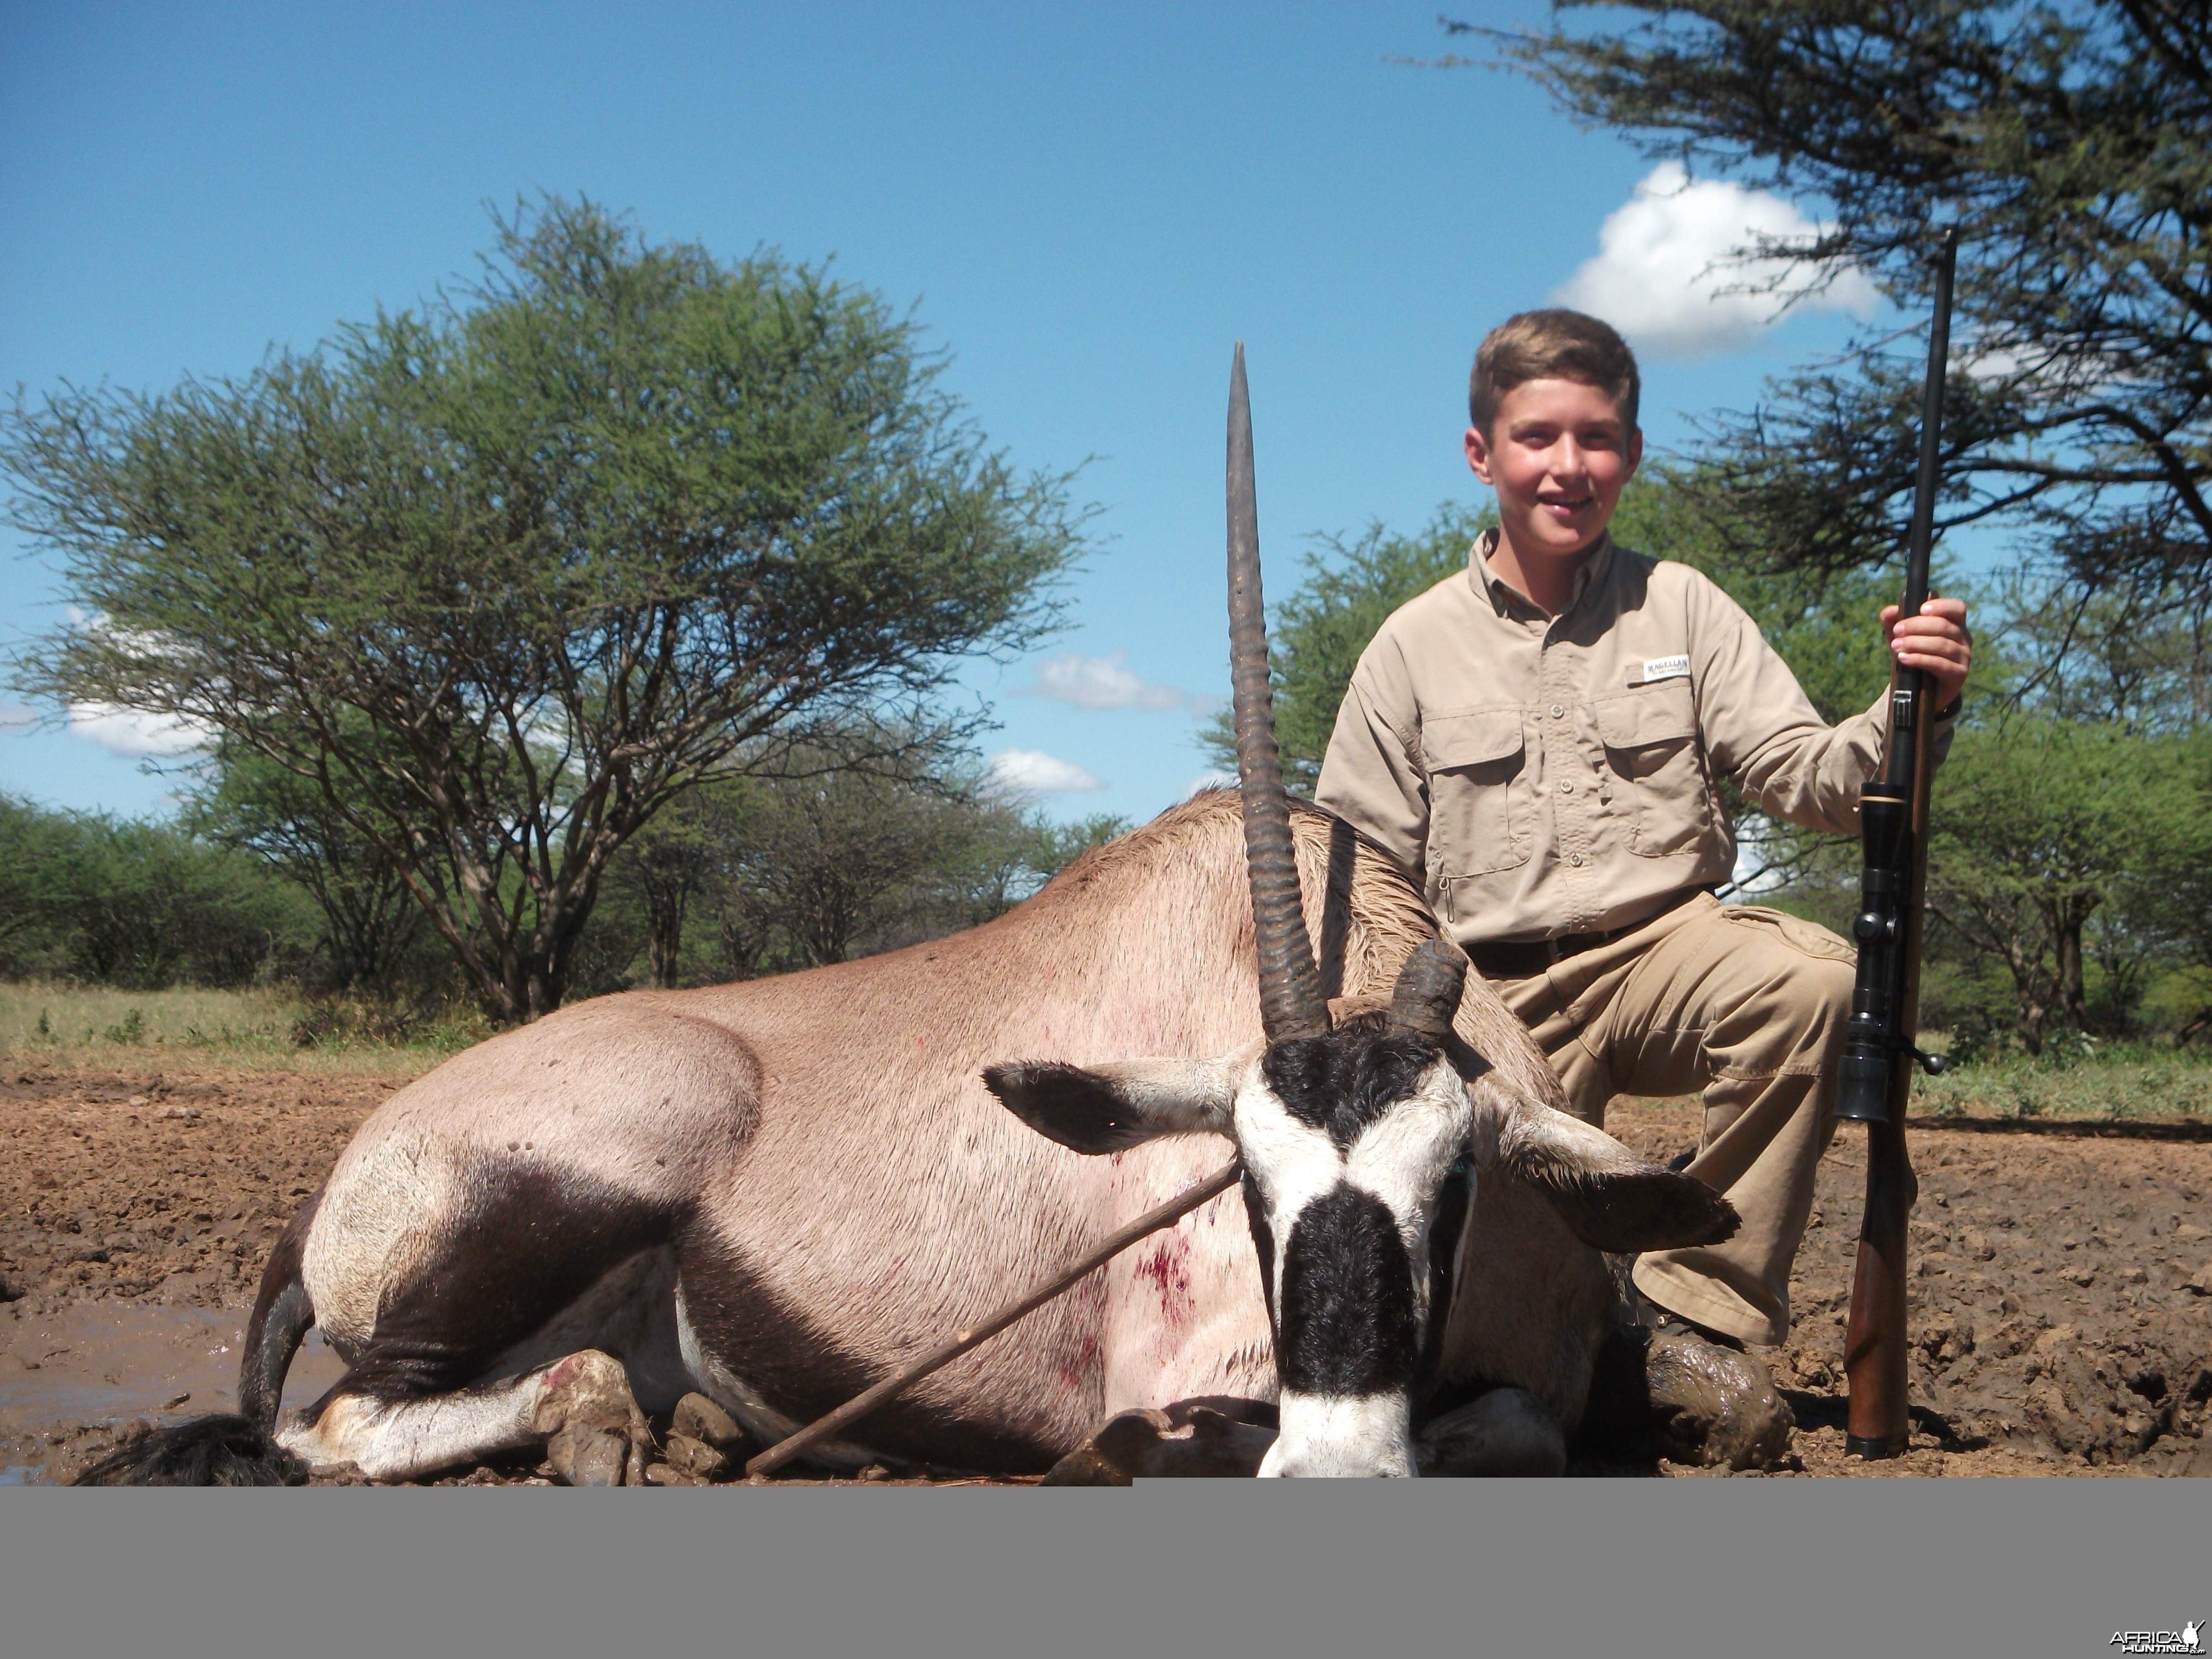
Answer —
(1748, 1006)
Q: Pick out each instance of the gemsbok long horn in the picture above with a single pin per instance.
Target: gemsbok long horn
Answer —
(1290, 1000)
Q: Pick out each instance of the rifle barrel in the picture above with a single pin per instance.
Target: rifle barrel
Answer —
(1923, 533)
(1920, 537)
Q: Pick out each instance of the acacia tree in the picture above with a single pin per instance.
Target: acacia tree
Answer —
(29, 848)
(503, 577)
(2139, 658)
(661, 868)
(2071, 145)
(371, 927)
(828, 859)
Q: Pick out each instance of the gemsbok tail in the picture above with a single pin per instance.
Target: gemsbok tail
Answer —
(234, 1448)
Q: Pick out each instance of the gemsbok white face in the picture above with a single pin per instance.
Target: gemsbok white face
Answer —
(1353, 1141)
(1347, 1139)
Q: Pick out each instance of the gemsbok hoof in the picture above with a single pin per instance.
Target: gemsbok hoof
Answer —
(582, 1455)
(595, 1434)
(1190, 1440)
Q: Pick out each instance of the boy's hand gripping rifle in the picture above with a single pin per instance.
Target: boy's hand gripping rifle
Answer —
(1876, 1076)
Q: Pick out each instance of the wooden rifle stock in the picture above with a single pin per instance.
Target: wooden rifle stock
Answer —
(1878, 1423)
(1875, 1082)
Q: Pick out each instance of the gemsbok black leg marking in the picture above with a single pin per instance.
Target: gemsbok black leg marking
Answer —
(528, 1242)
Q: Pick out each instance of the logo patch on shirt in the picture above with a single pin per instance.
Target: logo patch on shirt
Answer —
(1667, 668)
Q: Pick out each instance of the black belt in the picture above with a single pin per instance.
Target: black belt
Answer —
(1524, 959)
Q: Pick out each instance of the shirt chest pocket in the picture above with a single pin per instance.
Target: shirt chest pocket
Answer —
(1480, 804)
(1650, 739)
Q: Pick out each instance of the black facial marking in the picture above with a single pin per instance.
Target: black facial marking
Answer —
(1348, 1326)
(1445, 1226)
(1345, 1081)
(1263, 1240)
(1078, 1108)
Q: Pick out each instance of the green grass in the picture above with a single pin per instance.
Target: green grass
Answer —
(259, 1030)
(277, 1030)
(2109, 1081)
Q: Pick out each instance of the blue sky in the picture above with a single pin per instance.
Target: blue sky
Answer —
(1085, 206)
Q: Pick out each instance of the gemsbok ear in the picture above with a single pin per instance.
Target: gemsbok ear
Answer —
(1609, 1198)
(1103, 1109)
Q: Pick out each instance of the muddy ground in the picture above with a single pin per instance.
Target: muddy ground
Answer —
(2063, 1312)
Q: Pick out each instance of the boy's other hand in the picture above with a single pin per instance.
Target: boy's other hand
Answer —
(1937, 640)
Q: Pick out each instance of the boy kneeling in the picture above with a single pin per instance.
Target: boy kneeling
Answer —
(1538, 741)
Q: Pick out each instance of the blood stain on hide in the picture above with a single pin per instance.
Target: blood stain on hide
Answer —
(1073, 1372)
(1168, 1265)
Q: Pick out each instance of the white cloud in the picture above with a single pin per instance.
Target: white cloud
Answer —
(1668, 254)
(1213, 779)
(2013, 366)
(123, 730)
(128, 733)
(1032, 768)
(1103, 683)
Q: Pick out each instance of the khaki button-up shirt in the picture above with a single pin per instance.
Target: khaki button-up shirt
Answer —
(1544, 776)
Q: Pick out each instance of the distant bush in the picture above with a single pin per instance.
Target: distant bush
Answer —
(140, 905)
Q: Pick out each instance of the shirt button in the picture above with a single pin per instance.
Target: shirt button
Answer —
(1558, 713)
(1566, 786)
(1574, 857)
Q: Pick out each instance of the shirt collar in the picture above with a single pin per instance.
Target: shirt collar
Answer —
(1509, 599)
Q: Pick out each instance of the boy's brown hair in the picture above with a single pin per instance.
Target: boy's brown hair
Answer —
(1552, 345)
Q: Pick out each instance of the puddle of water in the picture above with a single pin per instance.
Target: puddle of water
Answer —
(98, 1362)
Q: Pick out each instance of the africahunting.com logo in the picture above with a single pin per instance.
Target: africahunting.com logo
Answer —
(2189, 1638)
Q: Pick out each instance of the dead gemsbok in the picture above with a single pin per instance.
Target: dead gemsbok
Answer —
(777, 1192)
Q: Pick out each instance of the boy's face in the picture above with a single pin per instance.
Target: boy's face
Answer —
(1558, 454)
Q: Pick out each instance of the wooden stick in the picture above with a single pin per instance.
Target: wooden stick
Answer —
(858, 1408)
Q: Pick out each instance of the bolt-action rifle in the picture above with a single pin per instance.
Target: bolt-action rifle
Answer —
(1875, 1083)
